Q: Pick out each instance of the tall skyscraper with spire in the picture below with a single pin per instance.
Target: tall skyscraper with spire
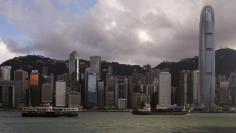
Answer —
(207, 58)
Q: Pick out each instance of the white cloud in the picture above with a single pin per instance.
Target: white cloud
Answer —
(5, 53)
(143, 36)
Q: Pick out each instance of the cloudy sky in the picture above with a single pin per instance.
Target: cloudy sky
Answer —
(125, 31)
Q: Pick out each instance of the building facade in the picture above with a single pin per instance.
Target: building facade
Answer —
(5, 72)
(164, 88)
(74, 71)
(91, 88)
(34, 89)
(207, 58)
(101, 93)
(121, 90)
(22, 76)
(60, 94)
(95, 66)
(73, 99)
(46, 93)
(110, 91)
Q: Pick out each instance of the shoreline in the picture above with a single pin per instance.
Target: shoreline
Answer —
(129, 110)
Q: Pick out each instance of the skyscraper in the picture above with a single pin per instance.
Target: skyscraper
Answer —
(46, 93)
(164, 88)
(74, 71)
(121, 91)
(207, 58)
(5, 74)
(188, 90)
(34, 89)
(91, 89)
(60, 93)
(110, 91)
(100, 92)
(95, 66)
(22, 76)
(195, 87)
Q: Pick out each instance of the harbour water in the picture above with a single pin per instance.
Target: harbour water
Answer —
(119, 122)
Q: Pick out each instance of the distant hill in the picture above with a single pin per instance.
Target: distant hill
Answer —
(36, 62)
(225, 64)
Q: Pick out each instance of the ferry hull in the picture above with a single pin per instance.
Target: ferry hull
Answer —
(49, 114)
(158, 113)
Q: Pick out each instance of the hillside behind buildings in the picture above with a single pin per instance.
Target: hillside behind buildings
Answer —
(225, 64)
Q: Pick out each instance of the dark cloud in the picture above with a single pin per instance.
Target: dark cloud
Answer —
(128, 31)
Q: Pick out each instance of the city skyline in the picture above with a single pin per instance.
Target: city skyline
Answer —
(117, 66)
(151, 35)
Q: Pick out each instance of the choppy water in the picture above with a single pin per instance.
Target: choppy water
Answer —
(100, 122)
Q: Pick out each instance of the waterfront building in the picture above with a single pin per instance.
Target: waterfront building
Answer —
(154, 90)
(110, 91)
(195, 87)
(122, 104)
(46, 93)
(135, 81)
(5, 74)
(73, 99)
(11, 97)
(207, 58)
(223, 96)
(60, 94)
(12, 93)
(188, 90)
(184, 88)
(74, 75)
(34, 89)
(100, 92)
(232, 87)
(121, 89)
(164, 88)
(174, 95)
(22, 76)
(91, 89)
(139, 98)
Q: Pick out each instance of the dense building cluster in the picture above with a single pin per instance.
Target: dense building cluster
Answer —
(97, 84)
(91, 85)
(84, 86)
